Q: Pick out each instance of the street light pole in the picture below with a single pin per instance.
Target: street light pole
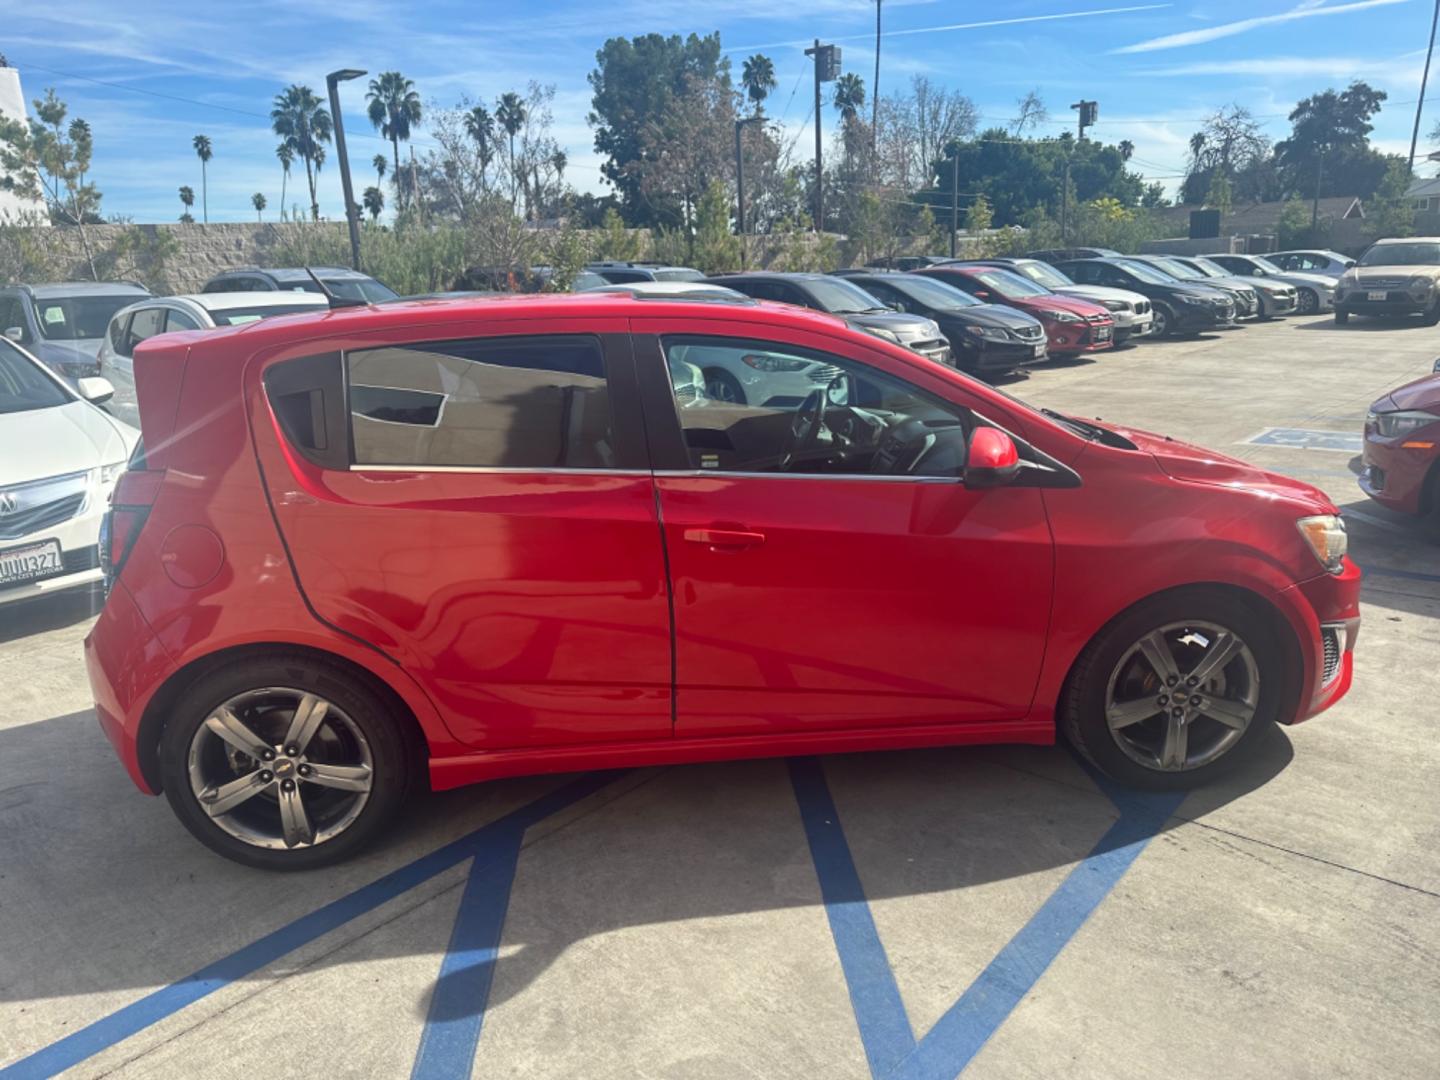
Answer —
(740, 183)
(827, 69)
(352, 212)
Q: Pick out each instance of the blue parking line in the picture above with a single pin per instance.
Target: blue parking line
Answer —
(885, 1030)
(490, 845)
(948, 1048)
(457, 1008)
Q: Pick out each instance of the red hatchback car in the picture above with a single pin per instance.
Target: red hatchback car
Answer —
(1402, 450)
(444, 541)
(1072, 326)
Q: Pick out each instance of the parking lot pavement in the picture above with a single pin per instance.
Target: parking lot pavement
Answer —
(998, 912)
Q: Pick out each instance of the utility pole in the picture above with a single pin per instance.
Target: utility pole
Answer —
(1424, 78)
(1089, 113)
(827, 69)
(1065, 206)
(1315, 203)
(740, 182)
(875, 90)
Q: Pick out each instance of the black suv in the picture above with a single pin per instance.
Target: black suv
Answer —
(984, 338)
(851, 302)
(1181, 307)
(627, 273)
(1059, 255)
(343, 282)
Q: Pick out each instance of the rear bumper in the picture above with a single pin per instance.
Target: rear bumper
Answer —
(125, 663)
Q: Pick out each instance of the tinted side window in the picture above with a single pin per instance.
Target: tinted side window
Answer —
(179, 320)
(519, 403)
(624, 277)
(886, 294)
(118, 334)
(12, 314)
(145, 323)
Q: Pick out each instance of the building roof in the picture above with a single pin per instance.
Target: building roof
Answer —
(1260, 217)
(1420, 189)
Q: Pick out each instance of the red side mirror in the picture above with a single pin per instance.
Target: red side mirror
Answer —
(991, 458)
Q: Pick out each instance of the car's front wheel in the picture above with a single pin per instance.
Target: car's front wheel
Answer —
(1309, 302)
(283, 763)
(1341, 317)
(1161, 322)
(1172, 693)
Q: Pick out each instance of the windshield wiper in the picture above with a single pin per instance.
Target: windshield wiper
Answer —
(1090, 431)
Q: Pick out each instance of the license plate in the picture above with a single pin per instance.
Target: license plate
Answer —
(28, 563)
(1375, 294)
(1039, 351)
(1102, 334)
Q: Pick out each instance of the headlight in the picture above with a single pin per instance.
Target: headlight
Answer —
(1326, 536)
(1420, 283)
(761, 362)
(881, 332)
(1061, 316)
(106, 475)
(1394, 424)
(1193, 301)
(932, 328)
(1115, 305)
(989, 333)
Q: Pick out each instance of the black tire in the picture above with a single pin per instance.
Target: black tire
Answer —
(1163, 321)
(1341, 317)
(1309, 302)
(1082, 714)
(371, 716)
(1432, 317)
(722, 386)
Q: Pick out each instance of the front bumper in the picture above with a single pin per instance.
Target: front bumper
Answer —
(1396, 302)
(937, 350)
(1325, 612)
(78, 538)
(1192, 318)
(1130, 324)
(986, 355)
(1072, 339)
(1394, 474)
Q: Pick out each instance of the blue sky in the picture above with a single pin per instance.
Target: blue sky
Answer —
(177, 69)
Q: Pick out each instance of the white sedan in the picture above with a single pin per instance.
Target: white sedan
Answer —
(167, 314)
(59, 459)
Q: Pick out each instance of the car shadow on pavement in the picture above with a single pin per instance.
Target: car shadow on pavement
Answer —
(102, 890)
(1366, 322)
(22, 618)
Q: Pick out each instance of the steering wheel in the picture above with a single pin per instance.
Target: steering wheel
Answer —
(805, 427)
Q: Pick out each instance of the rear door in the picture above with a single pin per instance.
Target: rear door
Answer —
(818, 588)
(475, 502)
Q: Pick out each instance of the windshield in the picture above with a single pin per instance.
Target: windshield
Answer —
(75, 318)
(679, 274)
(1265, 264)
(1044, 274)
(1146, 272)
(367, 289)
(1417, 254)
(1010, 286)
(23, 386)
(1178, 270)
(931, 293)
(1210, 269)
(586, 280)
(240, 316)
(839, 297)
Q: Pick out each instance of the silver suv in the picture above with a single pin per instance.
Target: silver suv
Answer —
(1393, 277)
(63, 324)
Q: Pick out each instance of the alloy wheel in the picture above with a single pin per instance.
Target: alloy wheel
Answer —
(1309, 302)
(1160, 322)
(280, 768)
(1182, 696)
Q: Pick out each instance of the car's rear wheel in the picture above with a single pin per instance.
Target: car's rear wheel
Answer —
(283, 763)
(1172, 693)
(1309, 302)
(1341, 317)
(1161, 322)
(722, 386)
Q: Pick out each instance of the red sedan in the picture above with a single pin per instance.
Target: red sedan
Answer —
(1072, 326)
(444, 541)
(1402, 449)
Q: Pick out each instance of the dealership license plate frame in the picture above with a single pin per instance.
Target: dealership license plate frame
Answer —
(52, 562)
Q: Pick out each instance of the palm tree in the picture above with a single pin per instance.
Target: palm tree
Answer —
(202, 151)
(187, 199)
(511, 116)
(849, 96)
(757, 76)
(394, 109)
(258, 201)
(381, 164)
(480, 126)
(374, 201)
(1127, 148)
(287, 158)
(304, 123)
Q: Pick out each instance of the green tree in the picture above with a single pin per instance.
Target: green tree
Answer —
(43, 160)
(510, 115)
(187, 199)
(1328, 151)
(381, 163)
(303, 122)
(849, 96)
(1293, 228)
(204, 153)
(480, 126)
(757, 76)
(83, 140)
(616, 241)
(394, 109)
(374, 201)
(286, 153)
(1389, 212)
(1218, 197)
(258, 201)
(1229, 144)
(716, 247)
(634, 84)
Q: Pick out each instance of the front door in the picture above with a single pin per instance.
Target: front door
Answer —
(480, 509)
(829, 569)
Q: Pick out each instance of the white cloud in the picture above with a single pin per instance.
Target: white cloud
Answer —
(1309, 9)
